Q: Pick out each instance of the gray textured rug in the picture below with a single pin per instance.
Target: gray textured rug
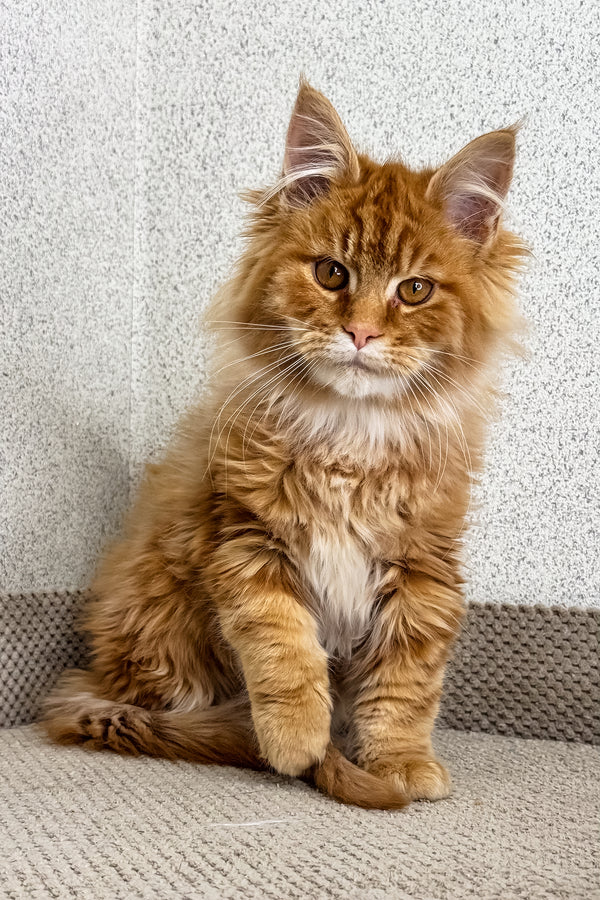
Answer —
(522, 823)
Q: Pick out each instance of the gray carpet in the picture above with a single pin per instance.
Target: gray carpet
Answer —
(522, 823)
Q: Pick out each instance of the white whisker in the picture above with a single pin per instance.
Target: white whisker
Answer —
(237, 412)
(243, 359)
(250, 325)
(246, 382)
(289, 371)
(410, 388)
(455, 421)
(463, 391)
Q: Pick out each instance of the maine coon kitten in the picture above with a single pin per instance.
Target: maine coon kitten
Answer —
(290, 571)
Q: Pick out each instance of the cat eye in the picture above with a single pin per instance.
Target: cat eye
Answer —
(331, 275)
(413, 291)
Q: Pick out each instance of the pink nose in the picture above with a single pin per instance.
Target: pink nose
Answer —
(360, 334)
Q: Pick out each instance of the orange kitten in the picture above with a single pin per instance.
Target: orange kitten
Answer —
(290, 572)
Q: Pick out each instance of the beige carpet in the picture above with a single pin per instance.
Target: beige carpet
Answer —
(522, 823)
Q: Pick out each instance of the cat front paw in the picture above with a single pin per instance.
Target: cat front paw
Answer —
(293, 737)
(419, 776)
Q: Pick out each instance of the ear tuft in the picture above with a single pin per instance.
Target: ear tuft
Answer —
(317, 149)
(473, 185)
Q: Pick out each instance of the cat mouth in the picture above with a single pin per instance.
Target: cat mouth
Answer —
(358, 363)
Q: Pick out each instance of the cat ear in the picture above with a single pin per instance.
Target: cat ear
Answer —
(317, 148)
(473, 185)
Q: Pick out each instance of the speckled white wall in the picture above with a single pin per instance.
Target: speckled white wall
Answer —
(66, 220)
(129, 134)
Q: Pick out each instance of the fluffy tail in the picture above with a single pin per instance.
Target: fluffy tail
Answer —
(221, 735)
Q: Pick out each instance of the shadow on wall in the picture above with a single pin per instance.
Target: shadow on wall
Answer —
(79, 478)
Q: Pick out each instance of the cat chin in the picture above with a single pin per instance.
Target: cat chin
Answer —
(355, 383)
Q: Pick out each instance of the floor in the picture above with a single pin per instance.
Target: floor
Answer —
(522, 823)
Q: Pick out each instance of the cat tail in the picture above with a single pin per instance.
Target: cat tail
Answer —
(348, 783)
(220, 735)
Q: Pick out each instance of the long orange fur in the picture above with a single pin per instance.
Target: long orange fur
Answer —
(288, 586)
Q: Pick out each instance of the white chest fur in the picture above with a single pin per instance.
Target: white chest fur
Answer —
(342, 581)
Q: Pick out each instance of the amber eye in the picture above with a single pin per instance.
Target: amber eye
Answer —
(331, 275)
(414, 290)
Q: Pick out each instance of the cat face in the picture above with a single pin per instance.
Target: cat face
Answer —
(386, 280)
(374, 284)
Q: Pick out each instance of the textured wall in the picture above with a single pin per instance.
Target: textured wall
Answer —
(128, 135)
(66, 217)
